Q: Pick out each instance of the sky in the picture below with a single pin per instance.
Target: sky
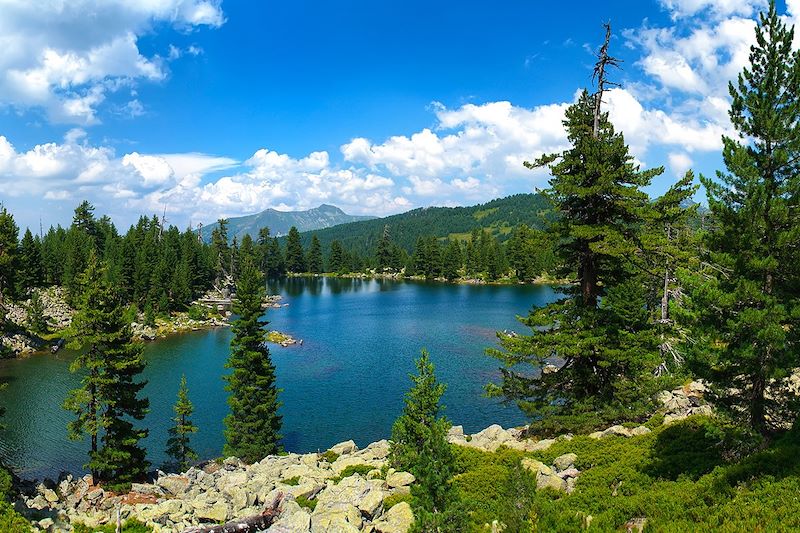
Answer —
(210, 108)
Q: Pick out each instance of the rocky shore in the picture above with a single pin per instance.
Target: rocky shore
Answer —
(345, 489)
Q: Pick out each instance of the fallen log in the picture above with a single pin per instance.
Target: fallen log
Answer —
(253, 523)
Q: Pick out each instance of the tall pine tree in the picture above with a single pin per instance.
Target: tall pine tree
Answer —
(605, 353)
(178, 445)
(419, 445)
(747, 306)
(107, 402)
(295, 258)
(253, 425)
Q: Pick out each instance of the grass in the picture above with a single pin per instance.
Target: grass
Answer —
(696, 475)
(129, 526)
(353, 469)
(292, 481)
(329, 456)
(394, 499)
(302, 501)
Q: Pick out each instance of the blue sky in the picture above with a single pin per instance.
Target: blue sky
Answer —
(226, 108)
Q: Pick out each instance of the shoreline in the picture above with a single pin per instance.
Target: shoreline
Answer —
(540, 280)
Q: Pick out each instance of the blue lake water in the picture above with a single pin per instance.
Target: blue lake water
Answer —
(346, 381)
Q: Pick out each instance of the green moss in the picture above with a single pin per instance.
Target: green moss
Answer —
(394, 499)
(353, 469)
(129, 526)
(329, 456)
(302, 501)
(292, 481)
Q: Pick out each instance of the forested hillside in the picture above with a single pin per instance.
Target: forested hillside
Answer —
(498, 216)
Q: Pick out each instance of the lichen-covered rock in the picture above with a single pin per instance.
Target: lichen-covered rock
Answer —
(398, 519)
(399, 479)
(565, 461)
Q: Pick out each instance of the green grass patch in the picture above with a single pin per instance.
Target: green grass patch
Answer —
(302, 501)
(329, 456)
(393, 499)
(353, 469)
(128, 526)
(292, 481)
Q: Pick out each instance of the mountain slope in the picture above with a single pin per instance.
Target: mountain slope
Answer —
(499, 215)
(279, 222)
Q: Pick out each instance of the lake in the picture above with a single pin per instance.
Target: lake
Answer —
(346, 381)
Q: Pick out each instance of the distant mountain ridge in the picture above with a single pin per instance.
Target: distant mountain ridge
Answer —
(279, 222)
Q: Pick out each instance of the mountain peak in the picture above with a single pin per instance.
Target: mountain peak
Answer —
(279, 222)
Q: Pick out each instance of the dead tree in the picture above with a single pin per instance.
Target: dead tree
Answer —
(604, 61)
(259, 522)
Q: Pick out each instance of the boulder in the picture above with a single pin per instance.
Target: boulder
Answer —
(215, 513)
(50, 495)
(398, 519)
(550, 481)
(344, 519)
(295, 521)
(344, 448)
(174, 485)
(640, 430)
(565, 461)
(399, 479)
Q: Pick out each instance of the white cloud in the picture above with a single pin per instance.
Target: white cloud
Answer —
(66, 57)
(718, 8)
(679, 163)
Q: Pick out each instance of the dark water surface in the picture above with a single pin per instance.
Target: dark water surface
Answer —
(346, 381)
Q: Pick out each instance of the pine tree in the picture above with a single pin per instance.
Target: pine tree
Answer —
(107, 402)
(253, 425)
(746, 307)
(419, 445)
(220, 249)
(336, 259)
(9, 255)
(608, 354)
(36, 320)
(295, 257)
(31, 274)
(178, 443)
(276, 265)
(451, 263)
(383, 254)
(314, 261)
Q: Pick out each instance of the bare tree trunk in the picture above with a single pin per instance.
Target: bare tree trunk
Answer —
(254, 523)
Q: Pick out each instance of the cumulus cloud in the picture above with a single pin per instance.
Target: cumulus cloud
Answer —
(66, 57)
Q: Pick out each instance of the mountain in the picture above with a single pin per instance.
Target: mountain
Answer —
(499, 216)
(279, 222)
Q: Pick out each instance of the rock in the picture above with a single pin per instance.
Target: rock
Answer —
(535, 466)
(619, 431)
(345, 519)
(550, 481)
(216, 513)
(565, 461)
(569, 473)
(174, 485)
(146, 488)
(46, 524)
(370, 504)
(596, 435)
(456, 431)
(50, 495)
(344, 448)
(297, 521)
(95, 494)
(635, 524)
(398, 519)
(640, 430)
(399, 479)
